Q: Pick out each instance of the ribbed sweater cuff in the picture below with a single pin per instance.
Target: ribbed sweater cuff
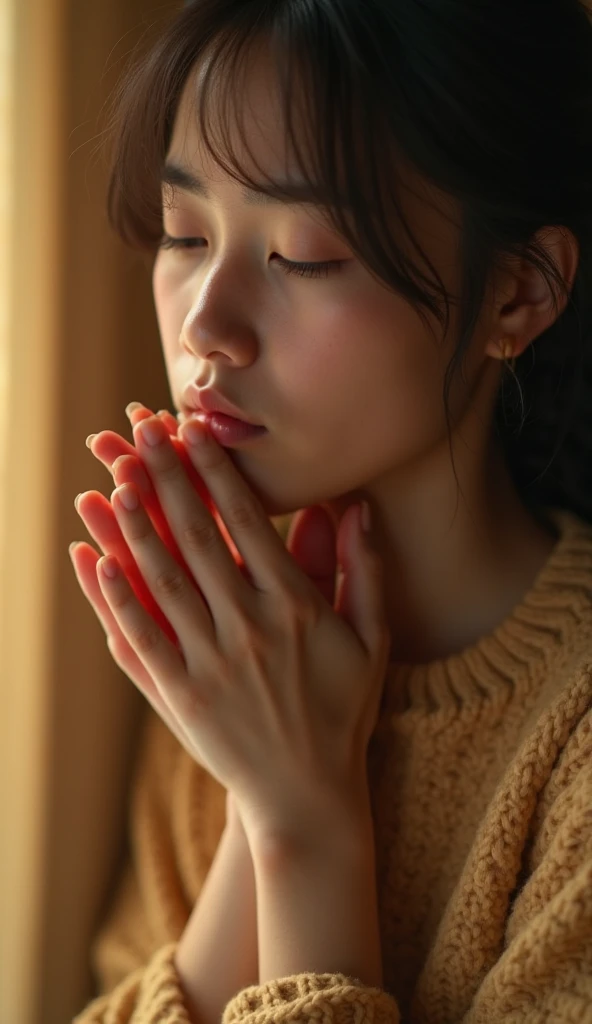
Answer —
(330, 998)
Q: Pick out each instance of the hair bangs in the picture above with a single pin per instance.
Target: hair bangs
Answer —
(335, 131)
(368, 89)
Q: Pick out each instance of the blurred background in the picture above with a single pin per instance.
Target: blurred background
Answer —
(78, 341)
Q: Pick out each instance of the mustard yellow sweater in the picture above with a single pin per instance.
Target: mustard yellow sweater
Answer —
(481, 778)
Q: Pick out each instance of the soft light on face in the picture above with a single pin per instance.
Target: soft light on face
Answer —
(341, 371)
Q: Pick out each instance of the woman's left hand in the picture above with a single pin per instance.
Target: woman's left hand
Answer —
(277, 691)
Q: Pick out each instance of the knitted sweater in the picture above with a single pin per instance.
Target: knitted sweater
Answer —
(480, 771)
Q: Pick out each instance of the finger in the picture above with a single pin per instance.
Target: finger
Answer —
(105, 529)
(123, 462)
(122, 655)
(108, 446)
(255, 537)
(175, 593)
(204, 546)
(160, 658)
(169, 421)
(312, 543)
(136, 412)
(99, 518)
(361, 600)
(129, 469)
(84, 559)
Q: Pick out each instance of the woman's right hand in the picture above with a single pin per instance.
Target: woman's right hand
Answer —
(311, 542)
(96, 511)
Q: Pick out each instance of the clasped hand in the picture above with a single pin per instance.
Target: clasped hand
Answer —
(274, 690)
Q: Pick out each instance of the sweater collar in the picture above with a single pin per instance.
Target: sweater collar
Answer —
(555, 613)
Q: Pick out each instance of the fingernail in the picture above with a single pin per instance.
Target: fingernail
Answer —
(76, 500)
(129, 409)
(197, 435)
(152, 432)
(73, 545)
(128, 497)
(90, 440)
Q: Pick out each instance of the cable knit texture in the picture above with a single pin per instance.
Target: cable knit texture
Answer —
(480, 772)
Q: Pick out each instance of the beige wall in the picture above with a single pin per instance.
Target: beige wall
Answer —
(78, 340)
(74, 299)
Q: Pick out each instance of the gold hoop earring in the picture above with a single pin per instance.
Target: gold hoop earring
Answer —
(507, 353)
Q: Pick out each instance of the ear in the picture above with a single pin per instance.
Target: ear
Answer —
(525, 309)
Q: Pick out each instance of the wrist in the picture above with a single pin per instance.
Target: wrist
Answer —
(317, 907)
(217, 954)
(344, 829)
(234, 822)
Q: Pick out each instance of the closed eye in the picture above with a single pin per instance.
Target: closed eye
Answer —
(321, 269)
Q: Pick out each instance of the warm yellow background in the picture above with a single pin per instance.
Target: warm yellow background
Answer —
(78, 341)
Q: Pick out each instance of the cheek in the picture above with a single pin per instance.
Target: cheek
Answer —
(162, 300)
(158, 284)
(370, 358)
(169, 311)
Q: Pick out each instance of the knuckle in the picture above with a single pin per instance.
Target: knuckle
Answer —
(201, 536)
(298, 610)
(249, 641)
(309, 615)
(172, 472)
(242, 513)
(119, 601)
(144, 639)
(139, 530)
(170, 583)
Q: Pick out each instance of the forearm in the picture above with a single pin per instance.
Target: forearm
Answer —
(317, 909)
(217, 954)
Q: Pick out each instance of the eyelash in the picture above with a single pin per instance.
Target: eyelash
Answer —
(302, 269)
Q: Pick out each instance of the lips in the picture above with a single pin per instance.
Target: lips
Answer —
(196, 399)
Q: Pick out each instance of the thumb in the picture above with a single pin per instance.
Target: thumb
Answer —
(311, 542)
(360, 598)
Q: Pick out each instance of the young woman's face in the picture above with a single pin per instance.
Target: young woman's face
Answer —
(341, 371)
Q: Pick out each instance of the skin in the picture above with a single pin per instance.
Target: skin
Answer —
(340, 364)
(311, 543)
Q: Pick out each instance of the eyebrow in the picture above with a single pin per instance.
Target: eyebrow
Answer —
(289, 193)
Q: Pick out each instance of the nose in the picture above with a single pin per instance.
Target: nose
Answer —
(220, 324)
(234, 346)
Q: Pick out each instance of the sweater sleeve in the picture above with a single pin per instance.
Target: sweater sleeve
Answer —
(331, 998)
(544, 972)
(541, 971)
(177, 817)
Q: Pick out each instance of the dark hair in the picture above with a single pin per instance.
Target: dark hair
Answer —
(489, 100)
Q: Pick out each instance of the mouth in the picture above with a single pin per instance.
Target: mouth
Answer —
(227, 430)
(210, 400)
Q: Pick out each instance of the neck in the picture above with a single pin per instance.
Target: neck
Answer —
(453, 577)
(457, 561)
